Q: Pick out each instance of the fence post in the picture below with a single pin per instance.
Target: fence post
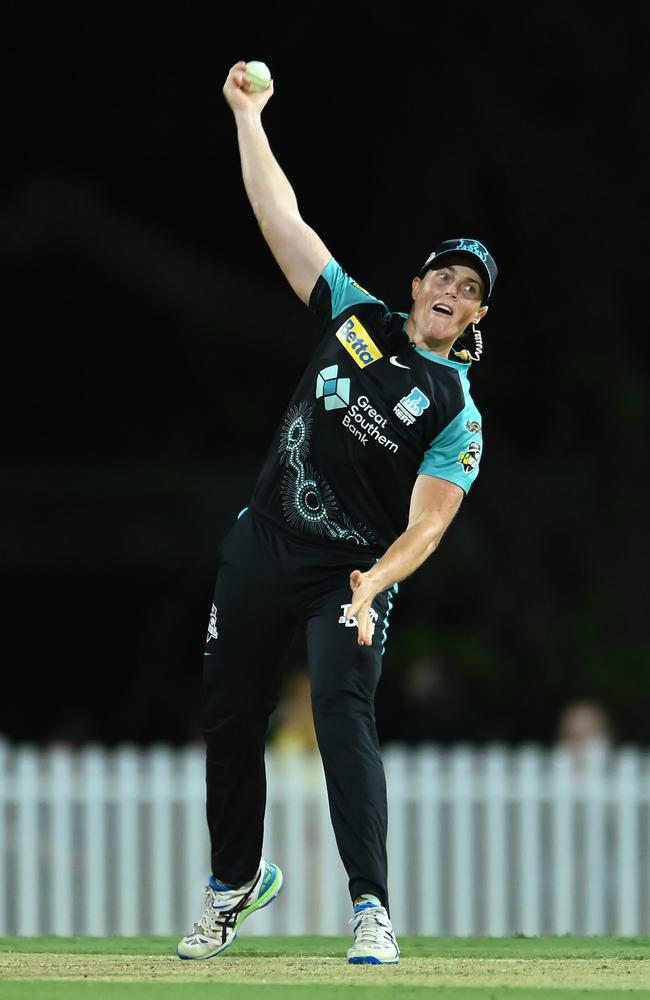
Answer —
(626, 790)
(127, 790)
(160, 884)
(562, 863)
(93, 805)
(59, 791)
(428, 791)
(528, 790)
(462, 840)
(26, 841)
(494, 795)
(598, 868)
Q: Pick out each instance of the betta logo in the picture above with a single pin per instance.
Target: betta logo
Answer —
(358, 342)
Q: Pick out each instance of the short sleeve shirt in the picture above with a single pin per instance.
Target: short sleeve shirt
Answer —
(370, 413)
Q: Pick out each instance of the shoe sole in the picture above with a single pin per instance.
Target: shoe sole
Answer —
(274, 889)
(371, 960)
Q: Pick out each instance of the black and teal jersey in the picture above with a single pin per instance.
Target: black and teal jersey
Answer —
(370, 413)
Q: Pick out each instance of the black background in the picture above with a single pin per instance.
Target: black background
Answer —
(152, 343)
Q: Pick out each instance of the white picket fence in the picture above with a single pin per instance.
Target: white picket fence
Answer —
(490, 841)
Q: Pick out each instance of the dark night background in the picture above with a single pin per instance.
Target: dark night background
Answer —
(153, 342)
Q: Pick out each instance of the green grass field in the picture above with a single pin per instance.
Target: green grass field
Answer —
(299, 968)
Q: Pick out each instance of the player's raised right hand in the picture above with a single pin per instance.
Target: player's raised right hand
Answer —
(238, 98)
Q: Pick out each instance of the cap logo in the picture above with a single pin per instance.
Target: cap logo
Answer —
(471, 246)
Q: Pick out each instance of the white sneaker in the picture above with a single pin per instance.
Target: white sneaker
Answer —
(226, 909)
(374, 940)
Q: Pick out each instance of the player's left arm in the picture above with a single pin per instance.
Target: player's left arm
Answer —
(434, 504)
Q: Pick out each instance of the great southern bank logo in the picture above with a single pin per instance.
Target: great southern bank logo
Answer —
(334, 390)
(358, 342)
(411, 406)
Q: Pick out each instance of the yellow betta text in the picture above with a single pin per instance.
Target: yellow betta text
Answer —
(358, 342)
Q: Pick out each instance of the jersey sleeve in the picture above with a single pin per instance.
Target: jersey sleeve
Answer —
(456, 452)
(334, 292)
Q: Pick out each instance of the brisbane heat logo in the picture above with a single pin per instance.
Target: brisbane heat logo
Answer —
(412, 406)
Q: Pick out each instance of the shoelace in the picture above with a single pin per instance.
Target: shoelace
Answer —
(221, 910)
(372, 926)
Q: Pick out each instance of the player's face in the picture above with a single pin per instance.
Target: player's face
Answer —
(445, 302)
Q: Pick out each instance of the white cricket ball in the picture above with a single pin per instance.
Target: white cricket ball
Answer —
(259, 76)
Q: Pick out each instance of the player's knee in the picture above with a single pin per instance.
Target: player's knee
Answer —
(345, 729)
(345, 705)
(233, 722)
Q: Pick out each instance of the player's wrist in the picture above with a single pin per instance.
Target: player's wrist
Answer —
(248, 116)
(377, 579)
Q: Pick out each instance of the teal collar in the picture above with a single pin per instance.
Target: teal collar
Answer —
(461, 366)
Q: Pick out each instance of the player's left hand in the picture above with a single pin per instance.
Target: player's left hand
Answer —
(364, 592)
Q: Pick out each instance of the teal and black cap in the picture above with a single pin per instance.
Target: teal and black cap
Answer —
(478, 256)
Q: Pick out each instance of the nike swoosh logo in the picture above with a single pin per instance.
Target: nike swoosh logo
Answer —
(398, 364)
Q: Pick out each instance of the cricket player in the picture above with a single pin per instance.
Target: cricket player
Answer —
(373, 456)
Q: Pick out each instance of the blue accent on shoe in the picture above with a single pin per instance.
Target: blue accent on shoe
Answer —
(367, 960)
(221, 886)
(270, 873)
(360, 907)
(269, 877)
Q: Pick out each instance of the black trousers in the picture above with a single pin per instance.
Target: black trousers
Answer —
(267, 585)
